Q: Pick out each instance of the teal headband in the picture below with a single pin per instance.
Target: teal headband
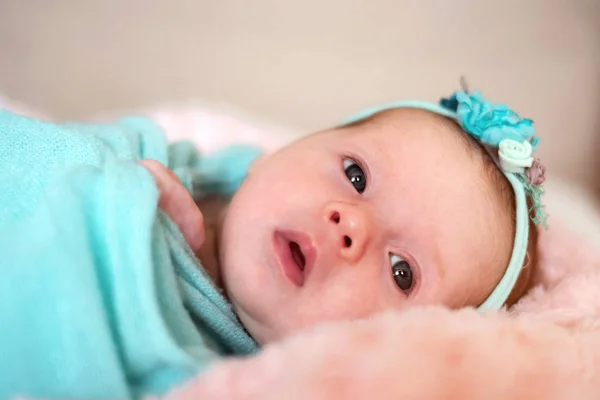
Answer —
(500, 128)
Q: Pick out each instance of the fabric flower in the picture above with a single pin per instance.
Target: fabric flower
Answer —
(536, 173)
(489, 123)
(515, 156)
(498, 126)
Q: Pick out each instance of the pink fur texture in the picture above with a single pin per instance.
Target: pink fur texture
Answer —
(545, 347)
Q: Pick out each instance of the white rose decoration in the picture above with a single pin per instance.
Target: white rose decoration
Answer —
(515, 156)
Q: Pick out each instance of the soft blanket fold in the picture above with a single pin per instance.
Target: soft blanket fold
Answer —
(100, 296)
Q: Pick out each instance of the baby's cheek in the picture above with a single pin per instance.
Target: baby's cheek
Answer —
(346, 301)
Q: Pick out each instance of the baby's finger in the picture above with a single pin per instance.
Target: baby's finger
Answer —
(177, 203)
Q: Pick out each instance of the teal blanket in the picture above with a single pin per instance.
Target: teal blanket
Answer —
(100, 296)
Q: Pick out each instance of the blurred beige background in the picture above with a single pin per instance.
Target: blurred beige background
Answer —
(308, 63)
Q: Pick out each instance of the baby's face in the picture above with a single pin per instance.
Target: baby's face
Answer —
(352, 221)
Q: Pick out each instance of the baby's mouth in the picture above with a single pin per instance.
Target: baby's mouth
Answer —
(296, 255)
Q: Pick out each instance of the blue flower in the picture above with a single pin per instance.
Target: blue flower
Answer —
(487, 122)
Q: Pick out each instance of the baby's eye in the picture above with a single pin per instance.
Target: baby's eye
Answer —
(355, 175)
(402, 273)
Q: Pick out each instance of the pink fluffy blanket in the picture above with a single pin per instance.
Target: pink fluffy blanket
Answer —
(546, 347)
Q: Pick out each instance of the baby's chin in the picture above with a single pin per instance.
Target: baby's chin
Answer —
(262, 333)
(261, 319)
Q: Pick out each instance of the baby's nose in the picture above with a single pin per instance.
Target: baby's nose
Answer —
(351, 230)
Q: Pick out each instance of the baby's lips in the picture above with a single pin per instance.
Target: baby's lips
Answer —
(177, 203)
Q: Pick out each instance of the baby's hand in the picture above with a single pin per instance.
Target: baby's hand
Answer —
(177, 203)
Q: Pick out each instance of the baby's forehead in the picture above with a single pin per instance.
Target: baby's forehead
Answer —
(412, 129)
(419, 152)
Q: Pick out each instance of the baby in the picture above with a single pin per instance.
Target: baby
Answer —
(404, 205)
(398, 208)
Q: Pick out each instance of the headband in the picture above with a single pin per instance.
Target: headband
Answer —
(513, 139)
